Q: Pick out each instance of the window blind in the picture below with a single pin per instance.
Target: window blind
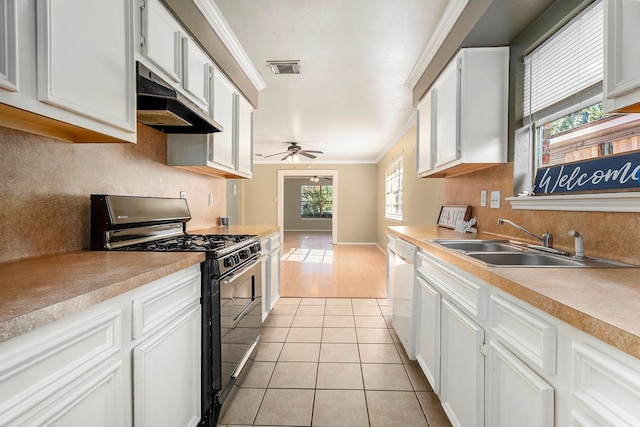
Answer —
(567, 66)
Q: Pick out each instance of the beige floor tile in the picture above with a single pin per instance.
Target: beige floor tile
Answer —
(289, 310)
(241, 406)
(274, 334)
(379, 353)
(374, 336)
(338, 301)
(388, 320)
(313, 301)
(417, 377)
(310, 310)
(370, 322)
(339, 310)
(258, 375)
(364, 301)
(286, 407)
(339, 335)
(294, 375)
(288, 301)
(308, 321)
(304, 335)
(268, 352)
(338, 322)
(403, 353)
(386, 310)
(394, 408)
(433, 409)
(366, 310)
(340, 408)
(278, 321)
(300, 352)
(385, 376)
(332, 352)
(382, 302)
(345, 376)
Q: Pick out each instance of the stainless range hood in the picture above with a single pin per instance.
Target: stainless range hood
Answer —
(162, 107)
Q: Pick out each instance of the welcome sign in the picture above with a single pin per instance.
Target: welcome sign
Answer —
(606, 173)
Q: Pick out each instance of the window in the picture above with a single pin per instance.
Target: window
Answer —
(316, 201)
(563, 96)
(393, 200)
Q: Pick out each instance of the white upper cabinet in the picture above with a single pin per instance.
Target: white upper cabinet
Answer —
(223, 106)
(244, 136)
(197, 74)
(8, 45)
(622, 56)
(162, 39)
(68, 78)
(463, 118)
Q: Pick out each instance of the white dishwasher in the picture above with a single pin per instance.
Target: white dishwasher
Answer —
(403, 286)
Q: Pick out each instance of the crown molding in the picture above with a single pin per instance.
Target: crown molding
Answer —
(445, 24)
(412, 121)
(214, 17)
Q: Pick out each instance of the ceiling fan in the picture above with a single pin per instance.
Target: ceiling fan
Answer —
(294, 151)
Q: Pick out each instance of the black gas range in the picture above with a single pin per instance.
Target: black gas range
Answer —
(231, 280)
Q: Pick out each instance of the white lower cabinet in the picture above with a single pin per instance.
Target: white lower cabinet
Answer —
(518, 396)
(271, 251)
(78, 370)
(461, 367)
(428, 334)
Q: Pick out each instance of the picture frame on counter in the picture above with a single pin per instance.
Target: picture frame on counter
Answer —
(451, 215)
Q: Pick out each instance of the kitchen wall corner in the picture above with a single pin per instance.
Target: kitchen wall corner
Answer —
(45, 186)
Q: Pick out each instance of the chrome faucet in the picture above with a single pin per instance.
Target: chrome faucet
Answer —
(546, 239)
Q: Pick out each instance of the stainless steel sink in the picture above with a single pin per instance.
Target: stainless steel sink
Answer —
(504, 253)
(479, 245)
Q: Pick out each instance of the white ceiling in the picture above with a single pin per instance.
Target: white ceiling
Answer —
(350, 100)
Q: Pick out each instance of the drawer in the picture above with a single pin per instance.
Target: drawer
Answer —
(467, 292)
(525, 334)
(38, 365)
(608, 387)
(274, 242)
(167, 298)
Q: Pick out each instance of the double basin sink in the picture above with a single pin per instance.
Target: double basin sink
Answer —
(505, 253)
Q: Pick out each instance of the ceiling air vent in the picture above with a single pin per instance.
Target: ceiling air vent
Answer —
(284, 67)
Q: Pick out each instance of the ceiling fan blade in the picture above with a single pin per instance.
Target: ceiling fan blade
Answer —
(277, 154)
(313, 151)
(306, 154)
(287, 156)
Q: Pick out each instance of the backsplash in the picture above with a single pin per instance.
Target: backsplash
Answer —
(611, 235)
(45, 186)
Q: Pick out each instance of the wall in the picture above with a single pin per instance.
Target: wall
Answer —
(357, 199)
(45, 186)
(611, 235)
(292, 201)
(422, 197)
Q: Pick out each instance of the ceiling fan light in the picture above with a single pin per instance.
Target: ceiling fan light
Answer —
(295, 157)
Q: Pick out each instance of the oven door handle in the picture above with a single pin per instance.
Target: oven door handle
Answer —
(232, 277)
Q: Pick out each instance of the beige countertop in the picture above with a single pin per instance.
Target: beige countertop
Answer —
(603, 302)
(37, 291)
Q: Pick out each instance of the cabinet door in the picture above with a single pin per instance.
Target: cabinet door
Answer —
(461, 367)
(447, 95)
(197, 74)
(166, 374)
(8, 45)
(428, 328)
(99, 85)
(622, 53)
(425, 140)
(519, 397)
(162, 37)
(244, 136)
(274, 277)
(223, 105)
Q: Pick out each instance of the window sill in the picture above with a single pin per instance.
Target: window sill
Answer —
(600, 202)
(394, 220)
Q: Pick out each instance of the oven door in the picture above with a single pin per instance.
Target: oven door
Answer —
(240, 322)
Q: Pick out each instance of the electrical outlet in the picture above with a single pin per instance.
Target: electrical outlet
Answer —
(235, 190)
(183, 194)
(210, 199)
(483, 198)
(495, 199)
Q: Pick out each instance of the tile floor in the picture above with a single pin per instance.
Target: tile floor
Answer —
(332, 362)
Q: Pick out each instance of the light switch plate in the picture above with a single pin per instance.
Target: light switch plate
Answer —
(210, 199)
(495, 199)
(183, 194)
(483, 198)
